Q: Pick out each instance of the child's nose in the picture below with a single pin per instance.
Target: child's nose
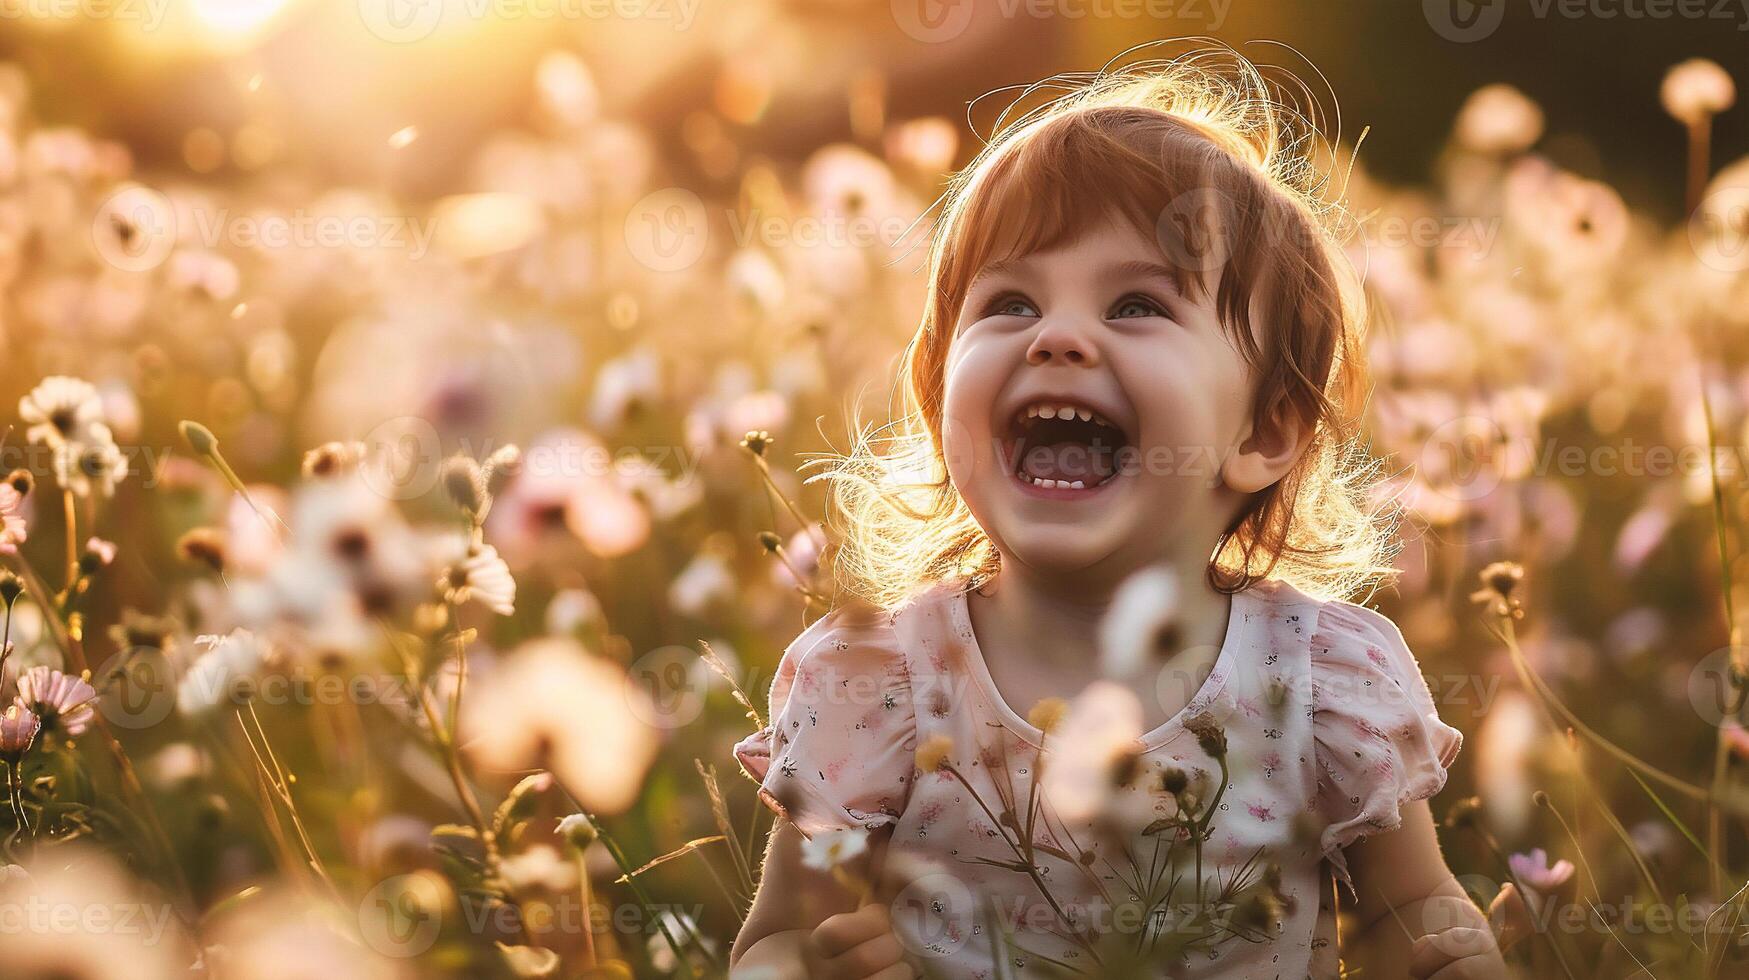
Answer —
(1062, 342)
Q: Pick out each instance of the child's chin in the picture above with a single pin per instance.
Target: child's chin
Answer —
(1061, 550)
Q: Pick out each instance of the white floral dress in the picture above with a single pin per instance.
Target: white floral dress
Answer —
(1329, 727)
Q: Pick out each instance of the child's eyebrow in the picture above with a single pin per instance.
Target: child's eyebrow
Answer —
(996, 268)
(1137, 268)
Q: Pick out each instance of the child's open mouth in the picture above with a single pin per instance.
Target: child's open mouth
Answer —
(1064, 446)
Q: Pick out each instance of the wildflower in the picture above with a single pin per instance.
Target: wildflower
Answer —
(1536, 873)
(682, 926)
(623, 386)
(79, 876)
(1257, 911)
(1507, 748)
(11, 587)
(1101, 724)
(578, 831)
(756, 442)
(1209, 735)
(18, 728)
(1696, 90)
(551, 705)
(1499, 581)
(332, 459)
(833, 848)
(90, 467)
(465, 484)
(933, 753)
(500, 468)
(1736, 737)
(58, 700)
(570, 610)
(1499, 119)
(538, 867)
(139, 631)
(1174, 780)
(12, 530)
(220, 673)
(62, 410)
(98, 554)
(801, 559)
(1141, 624)
(1047, 714)
(481, 575)
(21, 481)
(203, 546)
(704, 581)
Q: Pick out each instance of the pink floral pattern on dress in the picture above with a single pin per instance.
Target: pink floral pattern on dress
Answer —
(1330, 728)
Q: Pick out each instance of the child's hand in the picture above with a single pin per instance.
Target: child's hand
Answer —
(859, 944)
(1465, 950)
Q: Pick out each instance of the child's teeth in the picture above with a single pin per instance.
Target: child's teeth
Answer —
(1047, 412)
(1085, 415)
(1057, 484)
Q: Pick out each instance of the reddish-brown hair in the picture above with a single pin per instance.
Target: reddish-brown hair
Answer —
(1198, 156)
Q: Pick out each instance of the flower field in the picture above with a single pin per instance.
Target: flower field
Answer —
(389, 573)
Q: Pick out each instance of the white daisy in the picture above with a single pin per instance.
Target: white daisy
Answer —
(213, 679)
(1135, 628)
(60, 410)
(482, 576)
(828, 850)
(90, 465)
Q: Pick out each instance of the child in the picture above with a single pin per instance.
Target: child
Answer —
(1138, 363)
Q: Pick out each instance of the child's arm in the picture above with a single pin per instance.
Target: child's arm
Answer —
(805, 924)
(1414, 918)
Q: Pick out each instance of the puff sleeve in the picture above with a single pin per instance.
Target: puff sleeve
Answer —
(839, 751)
(1379, 741)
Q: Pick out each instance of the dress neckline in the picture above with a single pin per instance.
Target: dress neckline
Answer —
(1237, 622)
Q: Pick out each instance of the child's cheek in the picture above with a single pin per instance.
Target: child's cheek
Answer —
(960, 424)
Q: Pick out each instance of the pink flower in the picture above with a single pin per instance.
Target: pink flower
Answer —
(11, 521)
(1534, 871)
(18, 728)
(1736, 738)
(56, 697)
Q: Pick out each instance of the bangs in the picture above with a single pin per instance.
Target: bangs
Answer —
(1164, 177)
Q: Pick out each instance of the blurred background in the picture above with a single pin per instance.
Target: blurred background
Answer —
(355, 238)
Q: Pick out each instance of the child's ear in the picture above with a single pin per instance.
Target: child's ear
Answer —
(1267, 450)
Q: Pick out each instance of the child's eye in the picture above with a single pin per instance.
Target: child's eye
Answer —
(1011, 305)
(1136, 306)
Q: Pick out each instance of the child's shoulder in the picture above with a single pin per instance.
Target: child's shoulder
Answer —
(1332, 620)
(856, 630)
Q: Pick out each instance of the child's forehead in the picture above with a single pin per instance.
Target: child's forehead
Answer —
(1104, 251)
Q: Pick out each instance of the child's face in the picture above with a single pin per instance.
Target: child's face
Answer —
(1161, 398)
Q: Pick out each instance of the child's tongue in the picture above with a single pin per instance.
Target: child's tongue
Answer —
(1067, 462)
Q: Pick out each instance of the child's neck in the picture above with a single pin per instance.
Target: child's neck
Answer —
(1046, 629)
